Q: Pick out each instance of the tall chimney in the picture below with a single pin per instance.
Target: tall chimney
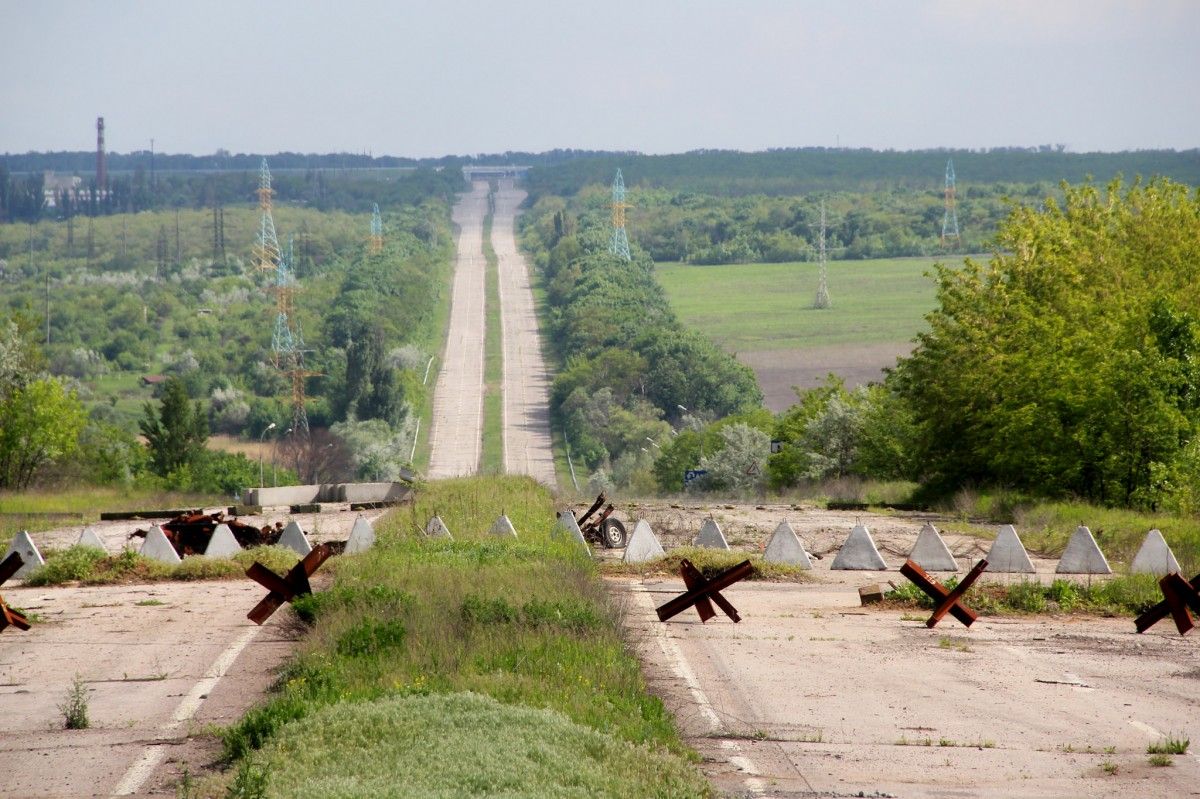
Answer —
(101, 167)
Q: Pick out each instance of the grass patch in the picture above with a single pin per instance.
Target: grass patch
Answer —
(1123, 595)
(1169, 746)
(1161, 760)
(710, 562)
(492, 456)
(91, 566)
(478, 666)
(50, 509)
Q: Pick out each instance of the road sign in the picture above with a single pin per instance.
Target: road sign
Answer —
(693, 474)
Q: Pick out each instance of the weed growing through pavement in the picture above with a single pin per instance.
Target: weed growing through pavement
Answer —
(74, 706)
(1168, 746)
(1110, 768)
(1161, 760)
(947, 642)
(149, 603)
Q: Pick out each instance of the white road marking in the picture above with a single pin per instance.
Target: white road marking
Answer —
(683, 671)
(144, 766)
(1146, 728)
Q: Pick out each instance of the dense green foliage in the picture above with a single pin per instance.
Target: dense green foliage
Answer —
(417, 623)
(1070, 362)
(629, 366)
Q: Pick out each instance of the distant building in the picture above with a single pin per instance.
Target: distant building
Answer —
(53, 186)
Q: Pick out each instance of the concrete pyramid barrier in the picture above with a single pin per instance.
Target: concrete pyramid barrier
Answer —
(785, 546)
(859, 552)
(88, 538)
(222, 544)
(931, 553)
(643, 544)
(23, 545)
(1082, 555)
(711, 536)
(503, 526)
(1008, 555)
(362, 537)
(1155, 556)
(436, 528)
(157, 547)
(294, 539)
(567, 527)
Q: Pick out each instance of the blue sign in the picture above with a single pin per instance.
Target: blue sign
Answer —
(693, 474)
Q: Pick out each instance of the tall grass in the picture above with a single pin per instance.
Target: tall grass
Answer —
(47, 509)
(418, 630)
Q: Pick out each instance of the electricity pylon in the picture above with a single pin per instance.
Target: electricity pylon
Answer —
(619, 245)
(950, 218)
(266, 247)
(376, 231)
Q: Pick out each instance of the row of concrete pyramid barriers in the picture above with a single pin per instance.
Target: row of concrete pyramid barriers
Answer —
(1006, 556)
(221, 545)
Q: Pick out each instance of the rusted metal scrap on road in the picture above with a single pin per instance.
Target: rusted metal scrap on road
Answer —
(189, 533)
(287, 588)
(1178, 595)
(9, 617)
(945, 600)
(703, 592)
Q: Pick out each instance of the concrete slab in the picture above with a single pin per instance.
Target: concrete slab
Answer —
(503, 527)
(89, 538)
(931, 553)
(1154, 556)
(373, 492)
(436, 528)
(157, 547)
(859, 552)
(785, 546)
(711, 536)
(362, 537)
(294, 539)
(643, 544)
(283, 495)
(1008, 555)
(23, 545)
(1083, 555)
(222, 544)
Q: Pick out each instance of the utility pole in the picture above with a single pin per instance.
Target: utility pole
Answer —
(950, 218)
(619, 245)
(822, 300)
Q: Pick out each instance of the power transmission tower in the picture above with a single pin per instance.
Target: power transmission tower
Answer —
(376, 231)
(619, 245)
(950, 218)
(822, 300)
(266, 247)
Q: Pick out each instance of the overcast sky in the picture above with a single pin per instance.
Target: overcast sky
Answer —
(413, 78)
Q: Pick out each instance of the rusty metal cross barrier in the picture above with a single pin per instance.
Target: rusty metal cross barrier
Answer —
(703, 592)
(9, 617)
(945, 600)
(285, 589)
(1178, 595)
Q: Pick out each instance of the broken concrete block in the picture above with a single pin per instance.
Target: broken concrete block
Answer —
(23, 545)
(436, 528)
(362, 537)
(643, 544)
(1008, 555)
(503, 527)
(222, 544)
(870, 594)
(88, 538)
(1155, 556)
(931, 553)
(711, 536)
(859, 552)
(158, 547)
(1083, 555)
(785, 547)
(294, 539)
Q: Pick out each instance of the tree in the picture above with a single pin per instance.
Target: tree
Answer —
(40, 422)
(177, 432)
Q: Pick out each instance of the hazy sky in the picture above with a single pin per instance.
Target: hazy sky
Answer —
(434, 78)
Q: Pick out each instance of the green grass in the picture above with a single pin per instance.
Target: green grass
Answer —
(479, 666)
(492, 456)
(1169, 746)
(91, 566)
(751, 307)
(46, 509)
(710, 562)
(1123, 595)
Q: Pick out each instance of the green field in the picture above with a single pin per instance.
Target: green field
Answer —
(752, 307)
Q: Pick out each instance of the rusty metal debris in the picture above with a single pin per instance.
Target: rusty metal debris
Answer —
(285, 589)
(189, 533)
(703, 592)
(9, 617)
(945, 600)
(1178, 595)
(603, 529)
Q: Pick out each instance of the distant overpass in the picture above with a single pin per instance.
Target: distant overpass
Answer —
(494, 172)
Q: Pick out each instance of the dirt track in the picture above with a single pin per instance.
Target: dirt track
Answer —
(812, 695)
